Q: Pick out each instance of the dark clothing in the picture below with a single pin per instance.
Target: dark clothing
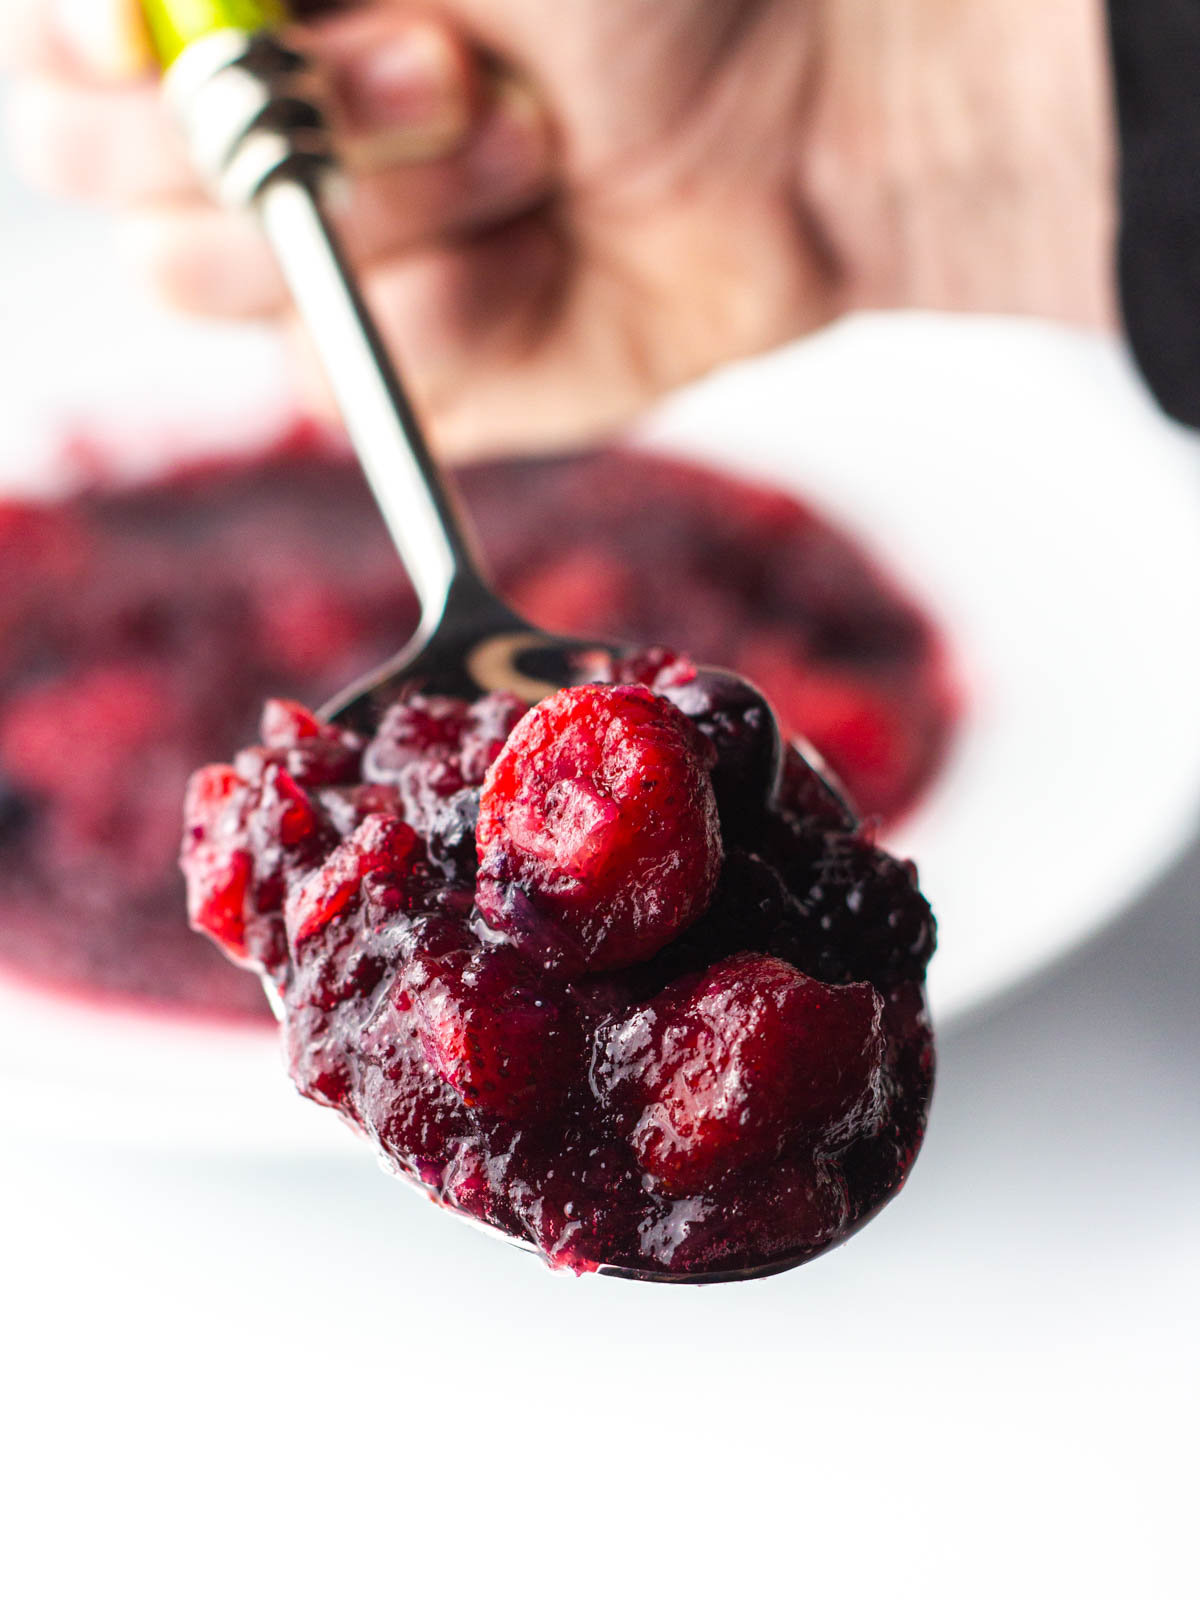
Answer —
(1156, 57)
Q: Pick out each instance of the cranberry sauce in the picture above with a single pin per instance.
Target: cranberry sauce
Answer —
(141, 629)
(601, 974)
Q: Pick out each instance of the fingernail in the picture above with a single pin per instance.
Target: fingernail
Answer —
(514, 142)
(106, 36)
(407, 100)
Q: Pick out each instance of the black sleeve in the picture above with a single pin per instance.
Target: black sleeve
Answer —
(1156, 62)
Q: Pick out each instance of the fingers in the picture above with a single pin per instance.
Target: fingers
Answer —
(502, 344)
(435, 145)
(403, 88)
(101, 144)
(215, 264)
(88, 41)
(480, 306)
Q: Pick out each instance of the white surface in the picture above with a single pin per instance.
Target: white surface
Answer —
(257, 1376)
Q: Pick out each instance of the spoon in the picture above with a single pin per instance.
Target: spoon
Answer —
(251, 108)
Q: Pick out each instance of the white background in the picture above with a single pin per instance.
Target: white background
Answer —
(252, 1375)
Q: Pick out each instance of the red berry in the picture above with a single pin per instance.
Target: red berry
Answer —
(218, 883)
(296, 819)
(743, 1059)
(216, 864)
(207, 794)
(598, 832)
(287, 722)
(380, 845)
(483, 1023)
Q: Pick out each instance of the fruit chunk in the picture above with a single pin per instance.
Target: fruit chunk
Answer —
(743, 1059)
(436, 750)
(723, 1103)
(287, 722)
(598, 837)
(480, 1019)
(219, 868)
(380, 846)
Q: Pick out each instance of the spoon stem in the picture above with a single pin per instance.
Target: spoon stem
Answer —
(416, 502)
(252, 108)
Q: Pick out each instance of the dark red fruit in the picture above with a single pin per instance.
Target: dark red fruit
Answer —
(598, 835)
(738, 1062)
(481, 1020)
(219, 867)
(380, 850)
(733, 1072)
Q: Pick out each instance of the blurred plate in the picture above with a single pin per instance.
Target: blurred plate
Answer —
(1017, 477)
(1013, 475)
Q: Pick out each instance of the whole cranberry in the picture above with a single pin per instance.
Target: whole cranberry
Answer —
(598, 832)
(743, 1059)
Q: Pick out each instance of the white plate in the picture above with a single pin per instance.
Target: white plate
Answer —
(1019, 481)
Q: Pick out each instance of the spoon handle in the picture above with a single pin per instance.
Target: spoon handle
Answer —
(176, 24)
(251, 108)
(414, 498)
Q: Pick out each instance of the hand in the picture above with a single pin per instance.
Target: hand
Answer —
(563, 208)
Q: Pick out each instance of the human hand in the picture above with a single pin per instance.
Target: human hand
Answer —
(563, 209)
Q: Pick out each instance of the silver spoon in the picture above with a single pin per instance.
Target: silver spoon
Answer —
(251, 108)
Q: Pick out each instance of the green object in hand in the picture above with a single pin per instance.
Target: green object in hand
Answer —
(175, 24)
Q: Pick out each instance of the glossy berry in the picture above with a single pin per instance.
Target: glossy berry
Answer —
(481, 1020)
(381, 849)
(739, 1061)
(219, 865)
(598, 836)
(684, 1089)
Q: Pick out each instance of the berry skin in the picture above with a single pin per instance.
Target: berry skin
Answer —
(856, 898)
(742, 1060)
(740, 723)
(287, 722)
(219, 869)
(480, 1020)
(381, 846)
(598, 837)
